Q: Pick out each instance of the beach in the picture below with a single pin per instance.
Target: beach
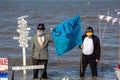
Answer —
(51, 13)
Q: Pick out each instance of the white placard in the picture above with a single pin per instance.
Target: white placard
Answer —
(28, 67)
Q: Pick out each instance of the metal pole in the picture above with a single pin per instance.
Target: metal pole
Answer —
(101, 61)
(13, 74)
(119, 43)
(24, 64)
(99, 26)
(59, 67)
(105, 27)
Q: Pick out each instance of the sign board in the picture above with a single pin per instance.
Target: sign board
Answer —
(3, 68)
(28, 67)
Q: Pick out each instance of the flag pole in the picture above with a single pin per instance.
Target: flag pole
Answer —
(59, 67)
(119, 43)
(81, 64)
(99, 25)
(105, 27)
(101, 64)
(118, 39)
(102, 36)
(117, 70)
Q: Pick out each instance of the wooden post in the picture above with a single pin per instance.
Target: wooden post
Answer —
(24, 64)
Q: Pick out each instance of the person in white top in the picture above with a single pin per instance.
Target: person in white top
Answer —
(90, 52)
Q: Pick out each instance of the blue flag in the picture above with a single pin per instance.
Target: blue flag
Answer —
(67, 35)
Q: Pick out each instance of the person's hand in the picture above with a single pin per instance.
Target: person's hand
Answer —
(81, 46)
(51, 29)
(97, 60)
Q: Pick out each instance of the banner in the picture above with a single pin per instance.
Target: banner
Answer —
(3, 68)
(67, 35)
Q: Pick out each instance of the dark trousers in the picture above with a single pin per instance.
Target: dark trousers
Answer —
(83, 64)
(43, 71)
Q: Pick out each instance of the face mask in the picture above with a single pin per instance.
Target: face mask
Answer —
(40, 33)
(89, 34)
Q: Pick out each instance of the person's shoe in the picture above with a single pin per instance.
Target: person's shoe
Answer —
(81, 75)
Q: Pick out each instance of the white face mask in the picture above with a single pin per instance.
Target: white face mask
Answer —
(40, 33)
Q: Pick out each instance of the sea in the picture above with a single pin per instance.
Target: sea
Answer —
(52, 13)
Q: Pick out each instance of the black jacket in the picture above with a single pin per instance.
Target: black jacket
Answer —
(97, 49)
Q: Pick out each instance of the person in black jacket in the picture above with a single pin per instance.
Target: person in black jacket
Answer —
(90, 52)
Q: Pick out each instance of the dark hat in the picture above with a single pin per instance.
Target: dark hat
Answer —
(41, 26)
(89, 29)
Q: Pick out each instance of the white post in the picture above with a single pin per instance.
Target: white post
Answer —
(119, 42)
(24, 64)
(23, 30)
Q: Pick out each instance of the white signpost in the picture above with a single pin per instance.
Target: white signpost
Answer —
(23, 39)
(23, 31)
